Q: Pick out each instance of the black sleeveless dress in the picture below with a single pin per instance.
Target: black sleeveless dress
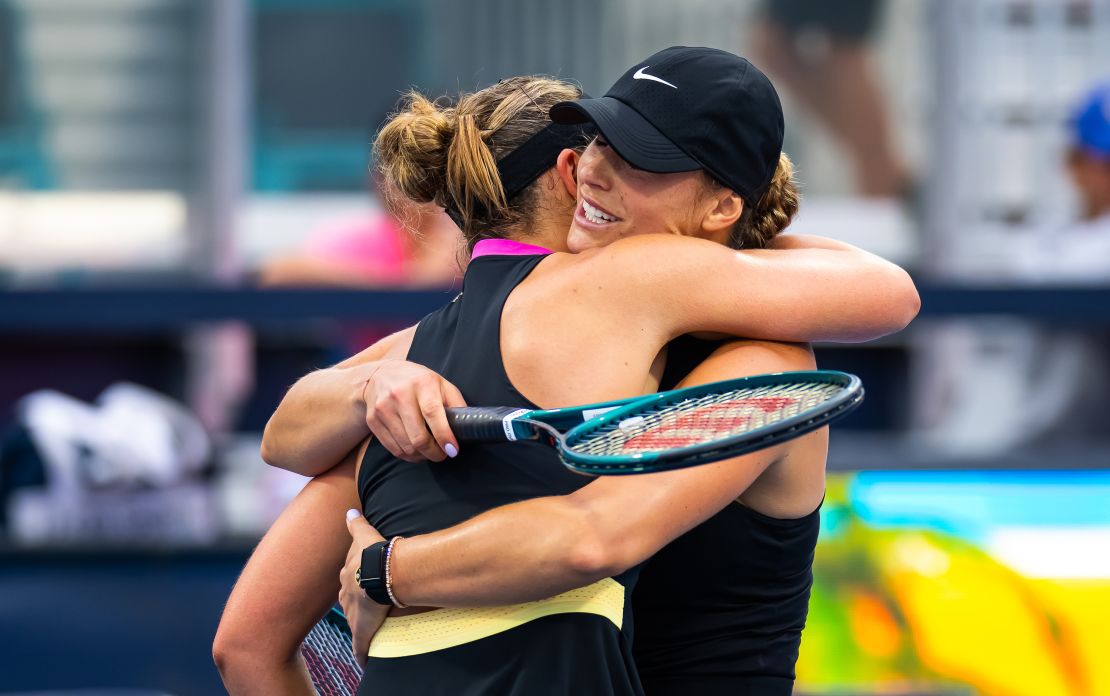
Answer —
(720, 610)
(573, 652)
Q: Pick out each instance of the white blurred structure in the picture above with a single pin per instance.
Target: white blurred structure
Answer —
(125, 469)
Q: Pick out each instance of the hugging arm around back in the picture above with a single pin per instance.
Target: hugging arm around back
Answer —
(544, 546)
(806, 290)
(322, 417)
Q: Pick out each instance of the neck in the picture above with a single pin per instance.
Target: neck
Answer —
(546, 230)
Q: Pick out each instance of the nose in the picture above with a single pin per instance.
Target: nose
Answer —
(595, 169)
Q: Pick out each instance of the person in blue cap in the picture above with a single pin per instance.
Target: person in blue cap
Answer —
(1089, 157)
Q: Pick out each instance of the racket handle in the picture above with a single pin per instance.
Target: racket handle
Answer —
(483, 424)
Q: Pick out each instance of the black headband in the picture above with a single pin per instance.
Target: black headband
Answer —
(524, 165)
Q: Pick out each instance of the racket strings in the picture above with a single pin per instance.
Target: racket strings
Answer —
(706, 419)
(327, 654)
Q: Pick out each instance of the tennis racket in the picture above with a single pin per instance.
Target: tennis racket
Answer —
(673, 429)
(327, 653)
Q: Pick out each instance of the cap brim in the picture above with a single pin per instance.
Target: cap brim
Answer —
(629, 133)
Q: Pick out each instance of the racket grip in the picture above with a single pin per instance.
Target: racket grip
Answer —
(481, 424)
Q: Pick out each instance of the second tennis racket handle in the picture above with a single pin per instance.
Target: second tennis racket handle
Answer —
(480, 423)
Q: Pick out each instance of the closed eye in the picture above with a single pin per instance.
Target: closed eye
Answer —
(602, 142)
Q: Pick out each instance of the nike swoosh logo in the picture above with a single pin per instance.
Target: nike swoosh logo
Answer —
(641, 75)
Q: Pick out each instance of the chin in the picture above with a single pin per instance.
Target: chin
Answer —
(580, 239)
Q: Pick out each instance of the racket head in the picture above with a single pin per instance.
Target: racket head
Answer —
(327, 655)
(710, 422)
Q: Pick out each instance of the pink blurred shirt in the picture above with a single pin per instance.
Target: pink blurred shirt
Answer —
(375, 247)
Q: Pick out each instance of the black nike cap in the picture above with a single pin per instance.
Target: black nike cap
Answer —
(687, 108)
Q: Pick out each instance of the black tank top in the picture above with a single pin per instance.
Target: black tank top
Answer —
(571, 653)
(720, 610)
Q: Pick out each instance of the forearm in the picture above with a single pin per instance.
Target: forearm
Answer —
(826, 293)
(517, 553)
(798, 295)
(322, 417)
(541, 547)
(320, 420)
(897, 299)
(290, 581)
(811, 241)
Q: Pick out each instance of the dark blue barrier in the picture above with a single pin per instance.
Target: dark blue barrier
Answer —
(113, 619)
(153, 308)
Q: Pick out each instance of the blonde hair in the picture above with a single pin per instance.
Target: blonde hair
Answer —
(770, 215)
(431, 151)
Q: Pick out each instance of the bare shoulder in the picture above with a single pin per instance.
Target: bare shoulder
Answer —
(568, 281)
(648, 255)
(634, 274)
(564, 311)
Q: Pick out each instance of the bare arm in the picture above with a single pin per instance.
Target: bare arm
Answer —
(807, 289)
(808, 292)
(540, 547)
(290, 581)
(322, 417)
(811, 241)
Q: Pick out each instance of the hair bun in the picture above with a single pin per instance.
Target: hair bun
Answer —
(777, 207)
(430, 152)
(412, 148)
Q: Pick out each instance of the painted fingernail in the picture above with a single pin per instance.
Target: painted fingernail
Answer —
(352, 513)
(451, 450)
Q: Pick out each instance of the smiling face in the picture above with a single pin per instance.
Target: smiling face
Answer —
(617, 200)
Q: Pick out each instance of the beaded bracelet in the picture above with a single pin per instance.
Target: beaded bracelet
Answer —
(389, 576)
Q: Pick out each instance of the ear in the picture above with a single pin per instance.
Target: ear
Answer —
(725, 209)
(566, 165)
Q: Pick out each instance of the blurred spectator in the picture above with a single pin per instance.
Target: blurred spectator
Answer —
(1089, 159)
(979, 378)
(416, 245)
(1084, 249)
(821, 52)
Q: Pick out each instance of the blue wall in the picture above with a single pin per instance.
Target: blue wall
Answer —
(113, 619)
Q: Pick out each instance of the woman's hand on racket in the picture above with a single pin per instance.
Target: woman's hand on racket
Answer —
(364, 615)
(405, 410)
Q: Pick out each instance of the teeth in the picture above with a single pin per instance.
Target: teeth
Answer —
(594, 215)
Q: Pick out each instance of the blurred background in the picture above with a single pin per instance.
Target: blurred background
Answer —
(188, 224)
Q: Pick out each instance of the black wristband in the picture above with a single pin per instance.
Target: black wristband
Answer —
(371, 575)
